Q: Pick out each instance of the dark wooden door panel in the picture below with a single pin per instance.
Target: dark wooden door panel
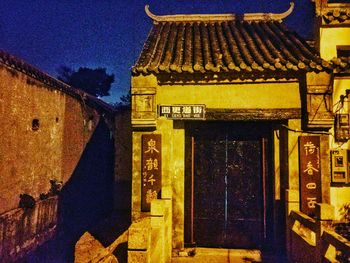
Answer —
(228, 202)
(211, 183)
(244, 180)
(243, 234)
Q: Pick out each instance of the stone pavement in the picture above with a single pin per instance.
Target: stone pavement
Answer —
(211, 255)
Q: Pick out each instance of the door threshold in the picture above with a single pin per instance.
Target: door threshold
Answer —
(204, 254)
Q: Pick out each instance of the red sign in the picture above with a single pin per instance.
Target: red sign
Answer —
(310, 173)
(151, 170)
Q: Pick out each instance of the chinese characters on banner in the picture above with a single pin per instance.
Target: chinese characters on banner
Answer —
(310, 173)
(151, 170)
(188, 112)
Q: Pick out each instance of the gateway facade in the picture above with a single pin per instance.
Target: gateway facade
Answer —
(231, 118)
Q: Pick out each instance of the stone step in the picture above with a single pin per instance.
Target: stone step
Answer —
(219, 255)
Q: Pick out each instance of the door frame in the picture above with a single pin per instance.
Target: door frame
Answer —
(266, 139)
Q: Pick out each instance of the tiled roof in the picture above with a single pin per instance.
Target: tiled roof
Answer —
(336, 15)
(341, 65)
(22, 66)
(225, 44)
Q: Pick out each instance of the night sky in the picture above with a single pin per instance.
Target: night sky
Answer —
(110, 34)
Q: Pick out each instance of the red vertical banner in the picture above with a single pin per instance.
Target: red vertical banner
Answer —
(310, 173)
(151, 171)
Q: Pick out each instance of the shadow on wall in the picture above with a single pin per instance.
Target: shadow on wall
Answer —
(85, 199)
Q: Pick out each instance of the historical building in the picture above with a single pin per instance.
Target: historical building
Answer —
(235, 122)
(240, 134)
(333, 41)
(54, 139)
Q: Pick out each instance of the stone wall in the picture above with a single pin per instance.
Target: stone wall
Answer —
(32, 156)
(315, 237)
(47, 134)
(21, 230)
(123, 148)
(150, 236)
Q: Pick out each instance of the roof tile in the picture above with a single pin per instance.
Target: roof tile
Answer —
(336, 15)
(225, 46)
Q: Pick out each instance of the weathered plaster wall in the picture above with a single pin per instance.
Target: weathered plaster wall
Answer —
(173, 171)
(30, 158)
(173, 156)
(72, 144)
(293, 155)
(78, 127)
(339, 194)
(123, 144)
(341, 84)
(136, 176)
(330, 37)
(241, 95)
(123, 152)
(271, 95)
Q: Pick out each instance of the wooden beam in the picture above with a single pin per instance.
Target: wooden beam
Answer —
(252, 114)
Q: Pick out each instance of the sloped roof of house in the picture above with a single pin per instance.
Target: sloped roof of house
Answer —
(337, 16)
(336, 13)
(24, 67)
(225, 43)
(341, 65)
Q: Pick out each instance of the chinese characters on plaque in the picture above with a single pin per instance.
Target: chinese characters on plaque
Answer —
(151, 169)
(310, 173)
(196, 111)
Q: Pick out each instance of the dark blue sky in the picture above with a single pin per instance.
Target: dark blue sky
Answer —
(91, 33)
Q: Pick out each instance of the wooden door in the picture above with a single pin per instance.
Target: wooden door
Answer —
(228, 186)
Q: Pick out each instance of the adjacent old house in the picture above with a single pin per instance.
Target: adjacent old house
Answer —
(333, 41)
(54, 139)
(240, 132)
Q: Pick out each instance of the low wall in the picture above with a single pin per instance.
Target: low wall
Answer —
(150, 237)
(302, 238)
(315, 238)
(23, 230)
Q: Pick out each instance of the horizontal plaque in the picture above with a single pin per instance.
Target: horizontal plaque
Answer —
(183, 111)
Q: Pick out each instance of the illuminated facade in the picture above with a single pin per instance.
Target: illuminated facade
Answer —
(239, 109)
(333, 40)
(51, 135)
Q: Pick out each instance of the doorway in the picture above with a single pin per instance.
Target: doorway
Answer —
(228, 197)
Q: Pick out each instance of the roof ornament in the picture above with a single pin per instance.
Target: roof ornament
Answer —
(219, 17)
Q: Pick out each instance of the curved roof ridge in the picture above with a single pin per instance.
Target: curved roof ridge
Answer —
(254, 47)
(219, 17)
